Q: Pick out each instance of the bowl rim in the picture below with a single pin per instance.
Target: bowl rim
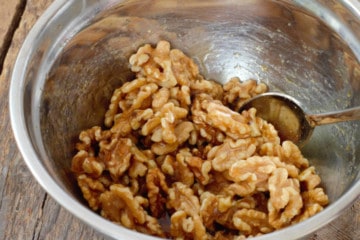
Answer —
(110, 229)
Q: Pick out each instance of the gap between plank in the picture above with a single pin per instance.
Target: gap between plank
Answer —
(11, 31)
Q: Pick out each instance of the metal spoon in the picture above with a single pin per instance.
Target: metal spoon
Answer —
(289, 118)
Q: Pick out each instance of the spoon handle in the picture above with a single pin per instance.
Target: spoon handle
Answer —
(334, 117)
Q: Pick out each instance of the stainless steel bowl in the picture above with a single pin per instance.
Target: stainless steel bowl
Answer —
(77, 53)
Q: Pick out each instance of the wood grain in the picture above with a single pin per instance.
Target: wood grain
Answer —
(9, 19)
(26, 210)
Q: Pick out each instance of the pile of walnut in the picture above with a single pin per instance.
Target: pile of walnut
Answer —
(175, 161)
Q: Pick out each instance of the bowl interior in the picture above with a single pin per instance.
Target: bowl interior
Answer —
(275, 42)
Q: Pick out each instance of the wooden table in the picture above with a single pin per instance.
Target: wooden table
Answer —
(26, 210)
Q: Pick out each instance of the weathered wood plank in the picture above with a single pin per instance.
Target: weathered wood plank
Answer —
(10, 12)
(346, 227)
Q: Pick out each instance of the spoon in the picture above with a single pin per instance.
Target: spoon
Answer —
(289, 118)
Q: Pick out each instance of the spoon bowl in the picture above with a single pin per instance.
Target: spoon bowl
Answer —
(289, 118)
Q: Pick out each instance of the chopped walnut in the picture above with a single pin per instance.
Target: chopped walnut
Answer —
(309, 177)
(291, 169)
(209, 88)
(187, 227)
(176, 159)
(186, 218)
(285, 200)
(157, 191)
(184, 68)
(209, 206)
(154, 64)
(225, 155)
(314, 200)
(83, 162)
(91, 136)
(200, 168)
(113, 108)
(218, 116)
(119, 205)
(91, 190)
(288, 152)
(120, 158)
(254, 172)
(181, 197)
(160, 98)
(183, 173)
(292, 155)
(251, 222)
(237, 92)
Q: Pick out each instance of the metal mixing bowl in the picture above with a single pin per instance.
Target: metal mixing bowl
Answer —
(77, 53)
